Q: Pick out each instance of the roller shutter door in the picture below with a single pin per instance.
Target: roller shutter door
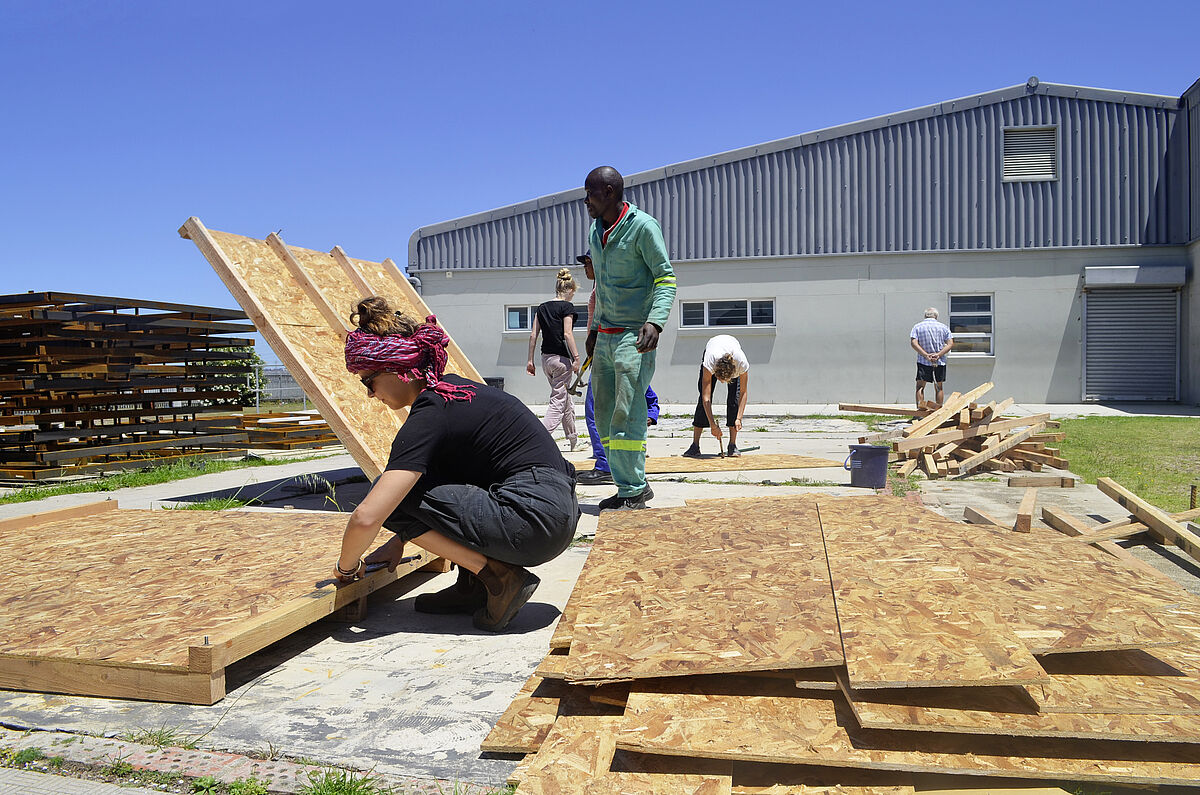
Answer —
(1131, 344)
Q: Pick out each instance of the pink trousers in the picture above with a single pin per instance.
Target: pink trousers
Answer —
(561, 410)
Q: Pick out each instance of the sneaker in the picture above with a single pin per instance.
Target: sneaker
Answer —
(732, 451)
(692, 452)
(593, 477)
(633, 502)
(514, 585)
(465, 596)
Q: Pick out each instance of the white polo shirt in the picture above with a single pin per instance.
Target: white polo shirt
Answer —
(720, 345)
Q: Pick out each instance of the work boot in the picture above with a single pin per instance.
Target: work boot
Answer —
(634, 502)
(465, 596)
(593, 477)
(508, 588)
(733, 452)
(692, 452)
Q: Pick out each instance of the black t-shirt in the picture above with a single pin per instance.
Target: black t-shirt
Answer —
(481, 442)
(550, 317)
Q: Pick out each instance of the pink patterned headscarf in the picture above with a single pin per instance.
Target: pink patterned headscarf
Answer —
(423, 356)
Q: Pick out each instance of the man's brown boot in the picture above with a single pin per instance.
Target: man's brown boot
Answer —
(508, 589)
(465, 596)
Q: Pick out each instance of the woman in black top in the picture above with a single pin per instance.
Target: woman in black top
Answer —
(560, 357)
(473, 476)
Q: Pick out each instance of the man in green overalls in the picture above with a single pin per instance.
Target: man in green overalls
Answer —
(635, 287)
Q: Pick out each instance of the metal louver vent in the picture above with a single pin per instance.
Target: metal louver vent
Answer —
(1030, 154)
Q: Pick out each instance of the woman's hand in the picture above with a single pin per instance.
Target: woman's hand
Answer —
(576, 364)
(359, 568)
(529, 368)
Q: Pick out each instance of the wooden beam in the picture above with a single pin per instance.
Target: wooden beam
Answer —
(111, 680)
(893, 410)
(331, 315)
(15, 523)
(1127, 528)
(352, 273)
(1154, 518)
(1067, 524)
(1024, 523)
(976, 516)
(982, 429)
(997, 449)
(952, 406)
(1041, 481)
(908, 467)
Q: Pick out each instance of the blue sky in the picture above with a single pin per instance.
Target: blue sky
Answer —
(353, 123)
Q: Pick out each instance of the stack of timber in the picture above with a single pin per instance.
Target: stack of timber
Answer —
(812, 644)
(301, 300)
(290, 430)
(93, 383)
(155, 605)
(962, 436)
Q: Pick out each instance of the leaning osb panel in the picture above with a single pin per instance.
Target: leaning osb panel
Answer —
(140, 587)
(1051, 595)
(705, 590)
(813, 730)
(576, 760)
(660, 465)
(1007, 711)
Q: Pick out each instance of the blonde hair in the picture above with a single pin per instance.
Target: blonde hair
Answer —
(374, 315)
(724, 368)
(565, 283)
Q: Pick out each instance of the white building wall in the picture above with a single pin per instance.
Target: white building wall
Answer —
(842, 322)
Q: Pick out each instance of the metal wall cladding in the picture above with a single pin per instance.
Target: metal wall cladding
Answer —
(929, 184)
(1189, 138)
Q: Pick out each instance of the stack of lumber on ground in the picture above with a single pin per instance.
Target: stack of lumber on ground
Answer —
(812, 644)
(301, 300)
(963, 435)
(290, 430)
(155, 605)
(91, 383)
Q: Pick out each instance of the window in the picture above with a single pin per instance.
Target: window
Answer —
(520, 318)
(727, 312)
(971, 323)
(1030, 154)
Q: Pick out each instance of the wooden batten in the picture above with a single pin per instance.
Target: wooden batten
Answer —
(1154, 518)
(15, 523)
(1024, 522)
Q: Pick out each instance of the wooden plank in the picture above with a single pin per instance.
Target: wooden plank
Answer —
(15, 523)
(1127, 528)
(951, 407)
(1071, 526)
(994, 450)
(893, 410)
(142, 589)
(1024, 522)
(908, 467)
(814, 730)
(299, 334)
(656, 465)
(333, 319)
(1041, 481)
(360, 284)
(745, 589)
(1034, 456)
(921, 623)
(1154, 518)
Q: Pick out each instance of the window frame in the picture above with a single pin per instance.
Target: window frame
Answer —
(990, 336)
(582, 309)
(749, 324)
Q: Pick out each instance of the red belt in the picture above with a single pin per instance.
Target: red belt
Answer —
(612, 330)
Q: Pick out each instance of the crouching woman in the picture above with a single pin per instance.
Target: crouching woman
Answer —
(473, 475)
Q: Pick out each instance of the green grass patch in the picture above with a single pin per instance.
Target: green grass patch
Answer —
(1157, 458)
(27, 755)
(178, 470)
(162, 737)
(342, 782)
(213, 504)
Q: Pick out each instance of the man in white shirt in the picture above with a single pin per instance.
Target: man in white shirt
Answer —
(931, 340)
(723, 361)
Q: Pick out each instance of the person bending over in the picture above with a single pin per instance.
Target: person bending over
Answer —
(472, 477)
(723, 361)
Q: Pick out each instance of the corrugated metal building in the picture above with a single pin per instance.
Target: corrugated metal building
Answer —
(1055, 227)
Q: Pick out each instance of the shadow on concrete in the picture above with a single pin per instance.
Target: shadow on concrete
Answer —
(331, 490)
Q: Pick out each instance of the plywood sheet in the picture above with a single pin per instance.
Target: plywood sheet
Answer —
(576, 760)
(1054, 595)
(704, 590)
(656, 465)
(166, 592)
(297, 324)
(528, 719)
(815, 730)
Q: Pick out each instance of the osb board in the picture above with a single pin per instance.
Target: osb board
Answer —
(820, 730)
(576, 759)
(1007, 711)
(671, 464)
(909, 619)
(528, 719)
(1054, 595)
(704, 589)
(303, 338)
(168, 592)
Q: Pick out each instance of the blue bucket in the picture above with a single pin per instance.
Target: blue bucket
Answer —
(868, 466)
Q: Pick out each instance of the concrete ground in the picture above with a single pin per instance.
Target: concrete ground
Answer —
(410, 695)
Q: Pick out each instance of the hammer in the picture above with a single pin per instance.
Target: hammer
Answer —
(574, 388)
